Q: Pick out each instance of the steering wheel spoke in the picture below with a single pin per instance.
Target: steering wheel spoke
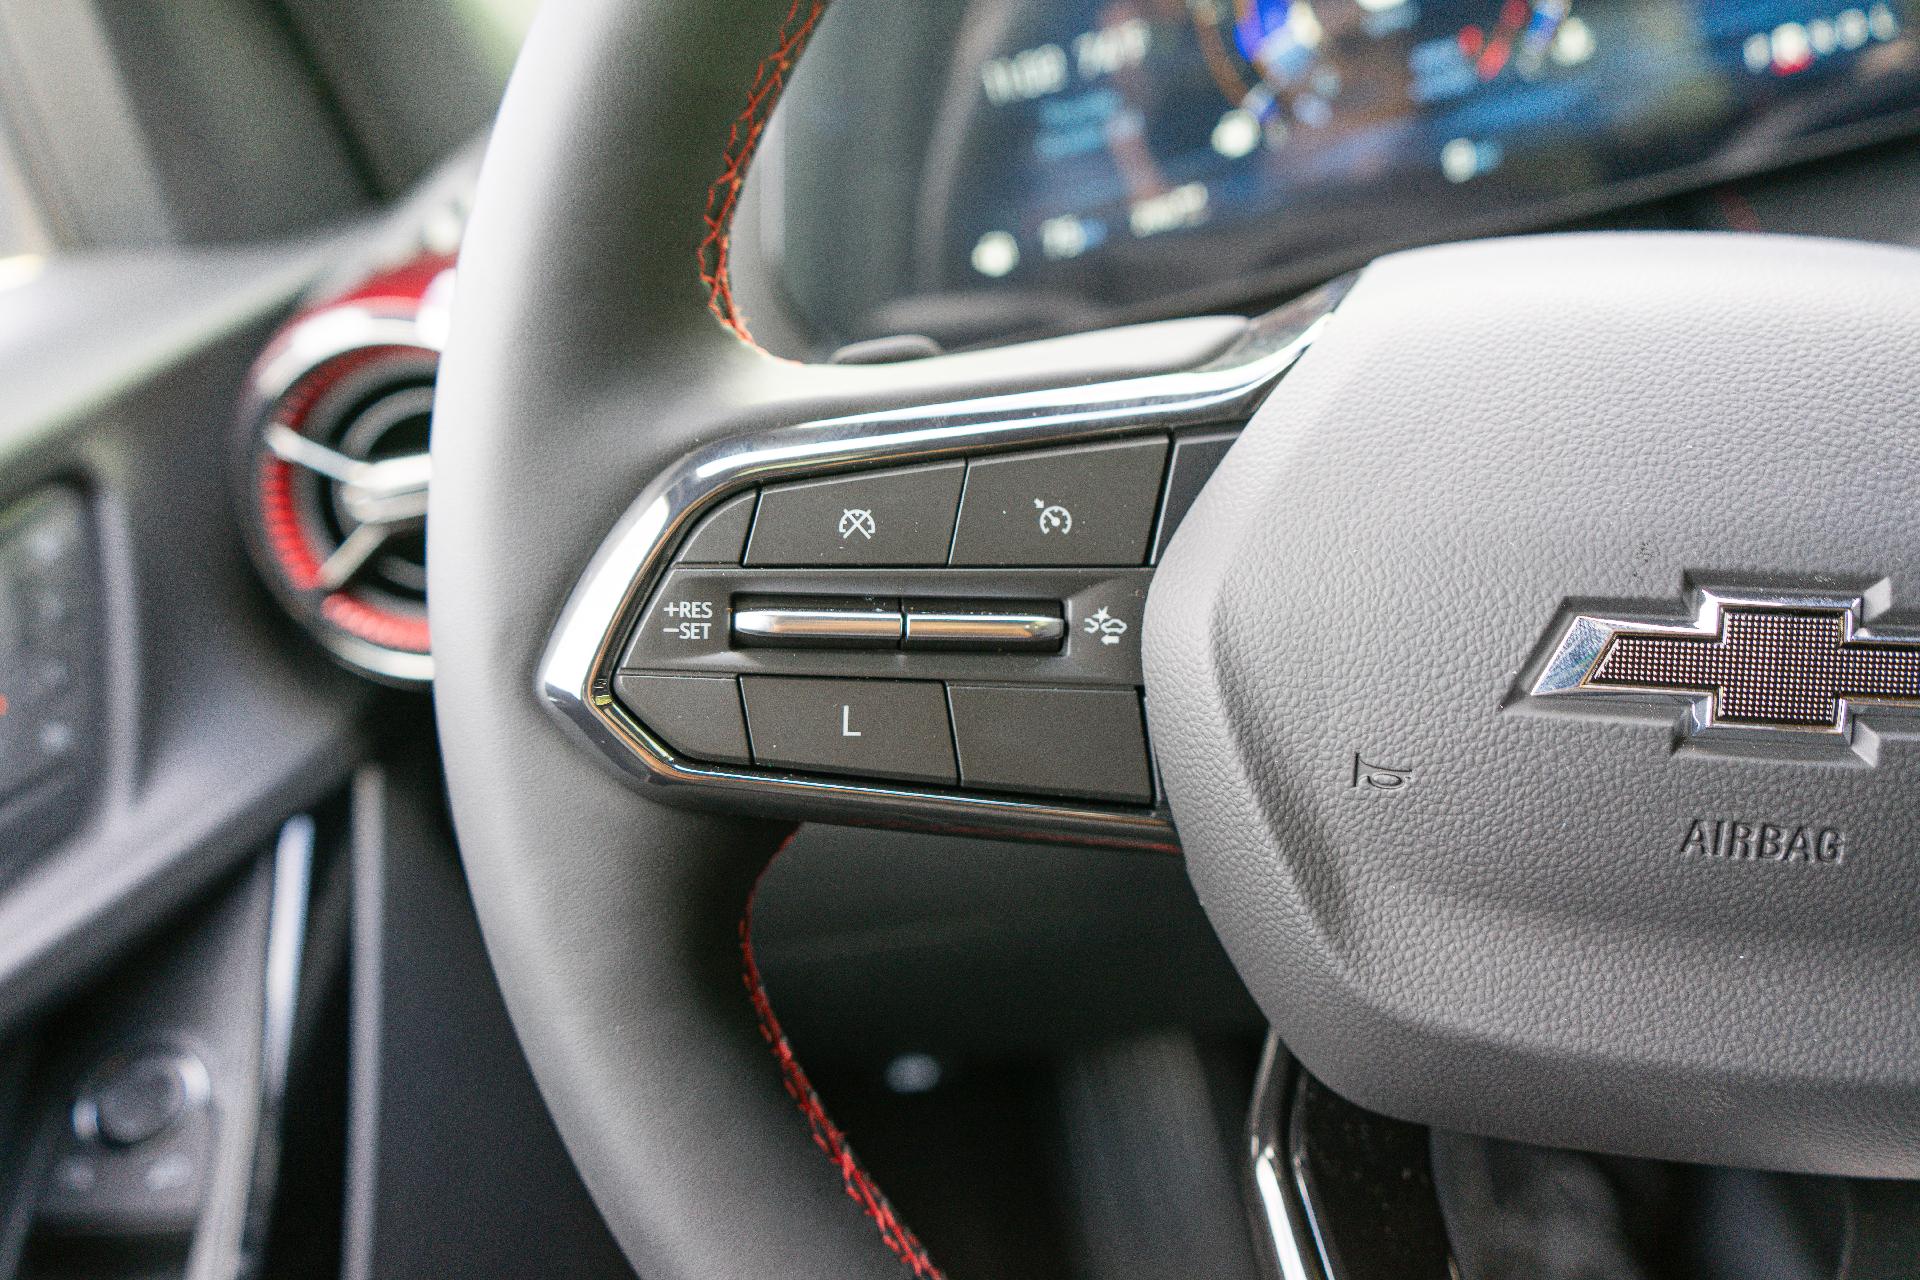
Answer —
(927, 612)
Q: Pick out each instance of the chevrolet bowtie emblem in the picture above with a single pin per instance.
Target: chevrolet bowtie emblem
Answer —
(1744, 663)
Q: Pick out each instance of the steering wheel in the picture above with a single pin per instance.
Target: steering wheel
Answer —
(1530, 687)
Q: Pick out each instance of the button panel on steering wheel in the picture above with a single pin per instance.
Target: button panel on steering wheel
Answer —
(928, 615)
(1022, 677)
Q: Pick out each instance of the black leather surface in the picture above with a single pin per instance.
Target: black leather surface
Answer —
(581, 333)
(584, 358)
(1513, 943)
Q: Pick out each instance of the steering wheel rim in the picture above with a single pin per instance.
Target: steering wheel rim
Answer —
(615, 924)
(595, 343)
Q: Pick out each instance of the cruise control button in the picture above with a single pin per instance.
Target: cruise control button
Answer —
(1089, 505)
(984, 626)
(1066, 742)
(698, 716)
(863, 728)
(900, 517)
(722, 536)
(827, 622)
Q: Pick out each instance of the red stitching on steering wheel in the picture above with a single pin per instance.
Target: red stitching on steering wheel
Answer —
(722, 198)
(826, 1135)
(742, 138)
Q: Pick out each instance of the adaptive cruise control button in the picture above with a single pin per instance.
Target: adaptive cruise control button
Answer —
(900, 517)
(1088, 505)
(698, 716)
(864, 728)
(1066, 742)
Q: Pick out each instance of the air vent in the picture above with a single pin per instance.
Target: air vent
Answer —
(337, 470)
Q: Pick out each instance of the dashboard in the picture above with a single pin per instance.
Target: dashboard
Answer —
(1080, 157)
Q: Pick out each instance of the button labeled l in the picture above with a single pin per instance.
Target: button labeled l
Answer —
(846, 729)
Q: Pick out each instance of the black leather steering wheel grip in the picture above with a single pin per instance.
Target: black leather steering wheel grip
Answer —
(585, 357)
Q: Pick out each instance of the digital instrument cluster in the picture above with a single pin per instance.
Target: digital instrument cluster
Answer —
(1121, 149)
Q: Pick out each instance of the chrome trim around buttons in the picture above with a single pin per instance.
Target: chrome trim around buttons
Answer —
(577, 668)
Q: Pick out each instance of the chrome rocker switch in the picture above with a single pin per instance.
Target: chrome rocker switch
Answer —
(985, 627)
(858, 622)
(790, 622)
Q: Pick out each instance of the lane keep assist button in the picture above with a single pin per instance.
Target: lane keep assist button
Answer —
(860, 728)
(897, 517)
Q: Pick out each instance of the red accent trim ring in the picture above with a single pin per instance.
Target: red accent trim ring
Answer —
(282, 523)
(859, 1185)
(376, 625)
(397, 288)
(742, 140)
(287, 536)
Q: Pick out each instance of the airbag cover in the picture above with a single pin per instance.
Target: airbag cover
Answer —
(1466, 905)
